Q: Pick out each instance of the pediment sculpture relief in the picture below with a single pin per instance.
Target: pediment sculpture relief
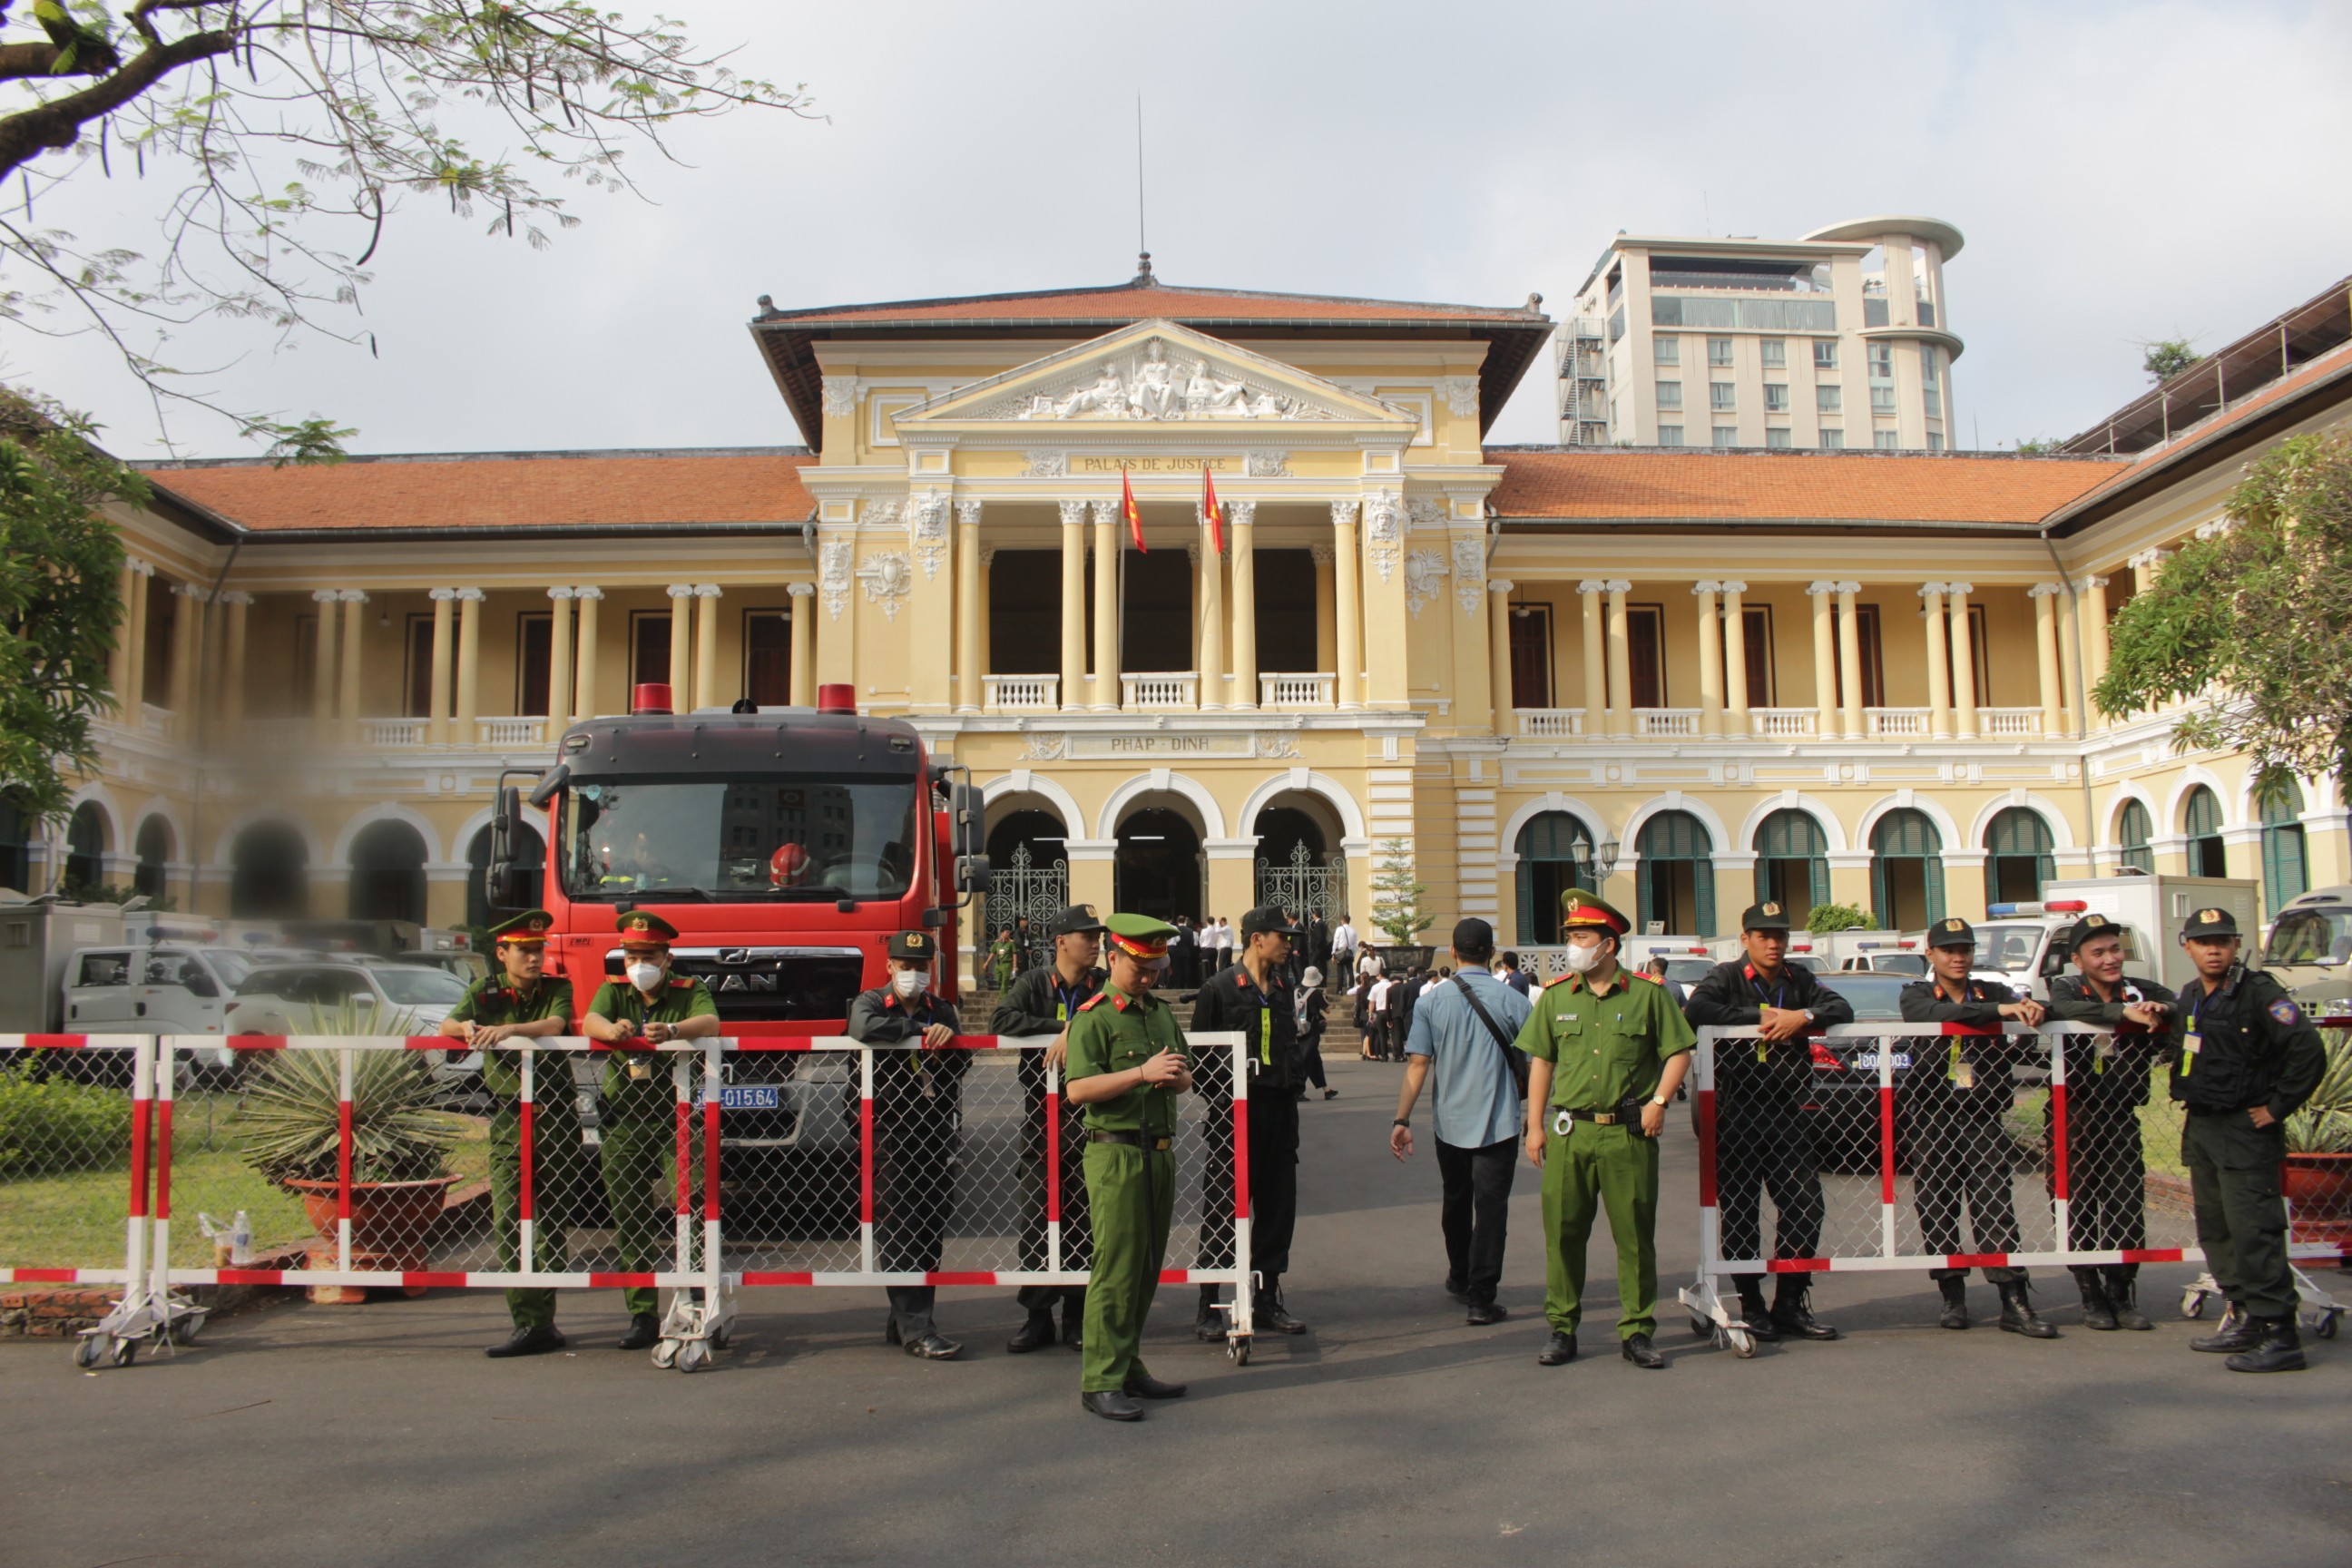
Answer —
(1150, 385)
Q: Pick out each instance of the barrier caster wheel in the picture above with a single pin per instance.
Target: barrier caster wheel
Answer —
(665, 1354)
(123, 1354)
(1743, 1344)
(90, 1351)
(2326, 1327)
(1237, 1350)
(1702, 1327)
(185, 1330)
(718, 1338)
(693, 1356)
(2193, 1304)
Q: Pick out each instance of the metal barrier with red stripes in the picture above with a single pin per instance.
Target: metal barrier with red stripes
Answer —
(694, 1168)
(2061, 1144)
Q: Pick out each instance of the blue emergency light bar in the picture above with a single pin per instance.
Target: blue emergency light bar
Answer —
(2056, 907)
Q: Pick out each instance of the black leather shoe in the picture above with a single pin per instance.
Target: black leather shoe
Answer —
(1792, 1314)
(1330, 1094)
(1956, 1303)
(2281, 1349)
(537, 1340)
(2017, 1313)
(1271, 1315)
(1458, 1290)
(1485, 1312)
(1033, 1335)
(1073, 1330)
(1558, 1350)
(1111, 1407)
(2238, 1332)
(643, 1330)
(1144, 1386)
(1757, 1321)
(1637, 1349)
(932, 1345)
(1208, 1322)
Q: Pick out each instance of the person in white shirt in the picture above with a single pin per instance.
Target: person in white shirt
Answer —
(1225, 941)
(1343, 946)
(1376, 1001)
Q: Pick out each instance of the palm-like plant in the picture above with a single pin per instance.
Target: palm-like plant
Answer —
(2324, 1124)
(292, 1120)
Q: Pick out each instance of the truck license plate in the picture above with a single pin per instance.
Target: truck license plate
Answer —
(749, 1096)
(1868, 1060)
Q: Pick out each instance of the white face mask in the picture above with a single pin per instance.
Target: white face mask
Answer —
(645, 976)
(909, 982)
(1582, 958)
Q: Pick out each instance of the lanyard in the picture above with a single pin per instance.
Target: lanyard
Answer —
(1779, 999)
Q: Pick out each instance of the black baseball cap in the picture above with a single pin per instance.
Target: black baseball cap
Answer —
(1951, 931)
(2214, 921)
(1269, 918)
(1076, 918)
(1764, 916)
(2089, 926)
(918, 946)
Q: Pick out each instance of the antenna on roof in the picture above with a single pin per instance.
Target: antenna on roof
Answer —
(1142, 245)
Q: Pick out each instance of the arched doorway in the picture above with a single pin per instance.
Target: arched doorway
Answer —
(269, 876)
(1555, 851)
(2020, 862)
(2286, 869)
(388, 873)
(1906, 871)
(1028, 876)
(1157, 871)
(16, 848)
(1296, 869)
(1677, 874)
(1792, 864)
(531, 854)
(2200, 821)
(85, 871)
(2133, 833)
(153, 847)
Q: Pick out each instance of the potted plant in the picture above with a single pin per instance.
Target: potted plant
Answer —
(293, 1127)
(2319, 1149)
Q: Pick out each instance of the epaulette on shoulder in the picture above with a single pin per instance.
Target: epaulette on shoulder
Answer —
(1092, 1000)
(1653, 979)
(1563, 979)
(676, 980)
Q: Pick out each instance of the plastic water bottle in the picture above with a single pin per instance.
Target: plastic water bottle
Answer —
(240, 1240)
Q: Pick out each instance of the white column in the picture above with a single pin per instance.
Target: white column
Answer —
(1346, 572)
(187, 636)
(1327, 609)
(707, 691)
(1964, 660)
(1734, 659)
(469, 667)
(681, 647)
(353, 618)
(968, 606)
(134, 672)
(2070, 655)
(1242, 515)
(804, 598)
(2045, 639)
(117, 657)
(1826, 719)
(1107, 607)
(2145, 567)
(437, 702)
(1710, 660)
(1621, 668)
(2094, 628)
(1212, 640)
(232, 675)
(1074, 605)
(322, 658)
(558, 661)
(1939, 675)
(1596, 659)
(583, 673)
(1850, 660)
(1498, 591)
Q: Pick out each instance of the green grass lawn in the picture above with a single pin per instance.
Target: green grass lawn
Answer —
(74, 1219)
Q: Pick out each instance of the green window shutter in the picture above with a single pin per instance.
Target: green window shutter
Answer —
(1934, 868)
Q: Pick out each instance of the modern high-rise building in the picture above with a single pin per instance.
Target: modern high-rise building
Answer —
(1841, 339)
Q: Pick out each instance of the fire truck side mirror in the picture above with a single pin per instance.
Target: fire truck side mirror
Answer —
(972, 873)
(965, 812)
(501, 881)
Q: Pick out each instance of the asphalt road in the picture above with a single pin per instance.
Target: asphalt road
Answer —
(1393, 1433)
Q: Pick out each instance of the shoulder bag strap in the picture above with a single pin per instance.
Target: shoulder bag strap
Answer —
(1512, 1058)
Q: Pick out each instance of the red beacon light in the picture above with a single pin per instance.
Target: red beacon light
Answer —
(650, 696)
(838, 697)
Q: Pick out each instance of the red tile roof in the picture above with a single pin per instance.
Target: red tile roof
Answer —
(1615, 485)
(1143, 302)
(620, 490)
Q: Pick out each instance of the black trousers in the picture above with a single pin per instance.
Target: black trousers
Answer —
(2234, 1181)
(1273, 1184)
(1960, 1154)
(915, 1138)
(2106, 1175)
(1077, 1236)
(1761, 1145)
(1310, 1060)
(1476, 1213)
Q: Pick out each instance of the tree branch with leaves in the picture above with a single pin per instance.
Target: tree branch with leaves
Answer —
(291, 131)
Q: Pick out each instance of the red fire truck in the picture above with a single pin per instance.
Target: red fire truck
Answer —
(786, 846)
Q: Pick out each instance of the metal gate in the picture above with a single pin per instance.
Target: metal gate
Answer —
(1303, 888)
(1022, 887)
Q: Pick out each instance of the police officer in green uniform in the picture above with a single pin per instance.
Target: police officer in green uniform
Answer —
(519, 1003)
(647, 1007)
(1043, 1002)
(2248, 1058)
(1608, 1049)
(1126, 1066)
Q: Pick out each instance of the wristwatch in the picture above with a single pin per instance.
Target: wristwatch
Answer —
(1400, 1121)
(1658, 1099)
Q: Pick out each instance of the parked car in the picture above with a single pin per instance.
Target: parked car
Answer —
(278, 999)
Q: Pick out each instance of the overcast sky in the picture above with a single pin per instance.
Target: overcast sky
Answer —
(2122, 173)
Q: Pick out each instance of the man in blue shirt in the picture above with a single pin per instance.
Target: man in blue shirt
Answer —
(1476, 1109)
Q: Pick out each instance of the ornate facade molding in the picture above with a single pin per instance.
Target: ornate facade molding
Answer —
(1426, 512)
(1423, 568)
(927, 517)
(1265, 465)
(834, 559)
(1469, 567)
(840, 395)
(1048, 466)
(889, 578)
(1147, 383)
(1461, 394)
(1383, 530)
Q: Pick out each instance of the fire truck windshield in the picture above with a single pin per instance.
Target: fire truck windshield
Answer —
(815, 837)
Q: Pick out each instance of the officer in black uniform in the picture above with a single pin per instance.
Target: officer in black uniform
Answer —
(2248, 1060)
(1948, 1106)
(1761, 1141)
(2107, 1088)
(1254, 997)
(917, 1113)
(1043, 1002)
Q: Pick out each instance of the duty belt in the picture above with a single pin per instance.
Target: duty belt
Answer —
(1132, 1140)
(1629, 1111)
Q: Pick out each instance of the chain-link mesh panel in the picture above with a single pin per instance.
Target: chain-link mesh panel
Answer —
(67, 1118)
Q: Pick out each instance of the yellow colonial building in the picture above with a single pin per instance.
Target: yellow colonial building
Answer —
(1692, 675)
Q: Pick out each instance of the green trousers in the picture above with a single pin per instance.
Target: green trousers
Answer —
(1131, 1225)
(1585, 1170)
(556, 1135)
(2233, 1183)
(639, 1183)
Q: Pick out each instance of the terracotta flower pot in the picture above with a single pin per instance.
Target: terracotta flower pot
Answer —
(392, 1222)
(2319, 1188)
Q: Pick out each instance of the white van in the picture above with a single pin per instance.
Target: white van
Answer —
(170, 988)
(2310, 947)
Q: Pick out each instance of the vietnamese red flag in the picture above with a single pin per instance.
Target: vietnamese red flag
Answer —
(1211, 512)
(1134, 512)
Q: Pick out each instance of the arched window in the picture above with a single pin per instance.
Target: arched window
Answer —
(268, 873)
(388, 873)
(2201, 818)
(85, 851)
(530, 853)
(153, 847)
(16, 848)
(1555, 852)
(1793, 864)
(1906, 871)
(1677, 876)
(2020, 861)
(2286, 872)
(2132, 834)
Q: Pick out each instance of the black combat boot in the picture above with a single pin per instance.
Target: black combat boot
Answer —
(645, 1328)
(1208, 1323)
(2280, 1350)
(1792, 1310)
(1267, 1312)
(2017, 1314)
(537, 1340)
(1752, 1315)
(1033, 1335)
(2123, 1294)
(2237, 1333)
(1956, 1301)
(2098, 1312)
